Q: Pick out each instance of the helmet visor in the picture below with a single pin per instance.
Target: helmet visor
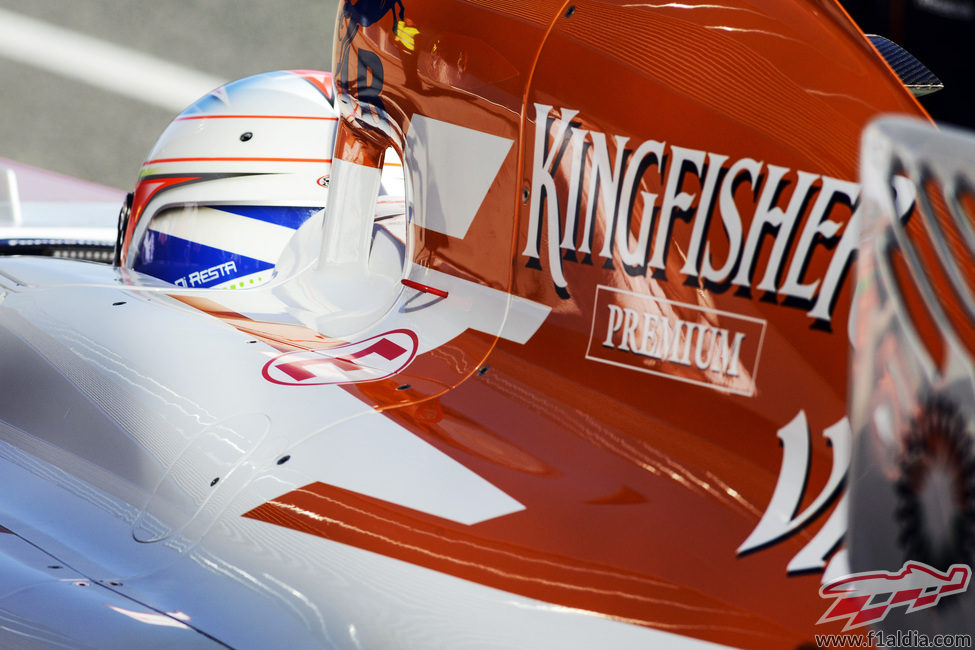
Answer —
(220, 246)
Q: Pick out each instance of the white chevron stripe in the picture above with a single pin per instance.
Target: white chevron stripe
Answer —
(452, 168)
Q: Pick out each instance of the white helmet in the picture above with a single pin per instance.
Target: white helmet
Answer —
(230, 180)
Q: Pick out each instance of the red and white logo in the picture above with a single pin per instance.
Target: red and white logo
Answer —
(866, 598)
(378, 357)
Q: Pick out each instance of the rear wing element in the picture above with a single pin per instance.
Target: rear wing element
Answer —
(913, 74)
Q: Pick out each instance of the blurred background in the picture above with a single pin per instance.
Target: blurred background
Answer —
(51, 118)
(77, 123)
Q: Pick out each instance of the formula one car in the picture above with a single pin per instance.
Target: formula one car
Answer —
(562, 363)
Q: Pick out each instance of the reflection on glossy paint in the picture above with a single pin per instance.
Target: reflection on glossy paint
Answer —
(727, 28)
(153, 618)
(648, 457)
(734, 494)
(681, 5)
(473, 553)
(469, 436)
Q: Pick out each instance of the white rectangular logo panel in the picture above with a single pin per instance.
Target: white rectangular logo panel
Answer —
(688, 343)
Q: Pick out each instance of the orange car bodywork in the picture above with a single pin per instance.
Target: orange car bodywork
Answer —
(681, 191)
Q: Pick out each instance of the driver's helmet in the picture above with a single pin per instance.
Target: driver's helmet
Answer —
(230, 180)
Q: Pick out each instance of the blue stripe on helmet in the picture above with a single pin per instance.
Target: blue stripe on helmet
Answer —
(191, 264)
(287, 216)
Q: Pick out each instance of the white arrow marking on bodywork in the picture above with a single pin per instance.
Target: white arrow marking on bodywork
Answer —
(452, 168)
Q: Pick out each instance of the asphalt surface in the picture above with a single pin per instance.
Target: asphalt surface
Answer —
(57, 122)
